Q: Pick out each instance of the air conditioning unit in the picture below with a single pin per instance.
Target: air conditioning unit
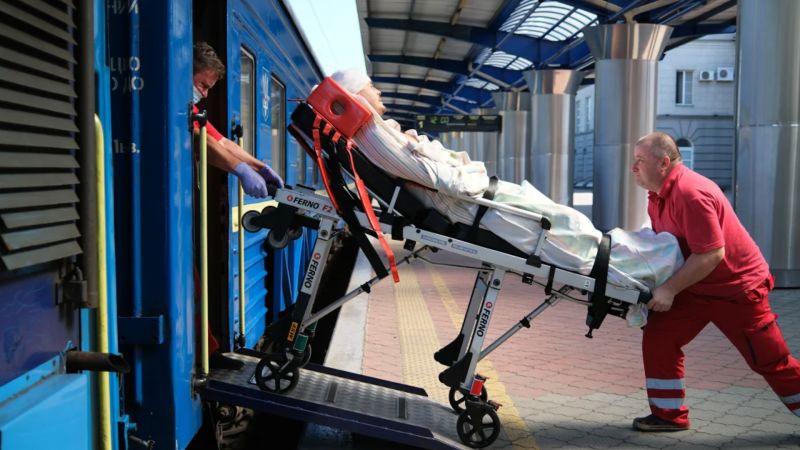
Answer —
(724, 73)
(707, 75)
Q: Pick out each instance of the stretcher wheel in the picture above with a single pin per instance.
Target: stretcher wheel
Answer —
(306, 356)
(478, 427)
(276, 243)
(226, 414)
(294, 233)
(458, 396)
(247, 221)
(276, 373)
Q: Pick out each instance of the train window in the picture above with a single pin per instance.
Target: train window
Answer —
(247, 100)
(277, 99)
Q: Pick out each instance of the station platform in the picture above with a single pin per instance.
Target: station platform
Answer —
(558, 389)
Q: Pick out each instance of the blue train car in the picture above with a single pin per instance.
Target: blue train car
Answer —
(97, 290)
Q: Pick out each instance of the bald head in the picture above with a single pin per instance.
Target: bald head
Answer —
(654, 157)
(660, 145)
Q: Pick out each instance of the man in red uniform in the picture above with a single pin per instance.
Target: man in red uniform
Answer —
(725, 281)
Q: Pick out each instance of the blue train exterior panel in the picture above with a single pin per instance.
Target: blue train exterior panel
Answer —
(33, 328)
(57, 404)
(150, 85)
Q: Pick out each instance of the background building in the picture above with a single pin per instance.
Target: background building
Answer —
(696, 96)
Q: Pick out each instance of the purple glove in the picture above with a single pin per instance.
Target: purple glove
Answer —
(252, 184)
(271, 177)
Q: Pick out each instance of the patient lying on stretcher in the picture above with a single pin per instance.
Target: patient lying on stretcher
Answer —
(640, 259)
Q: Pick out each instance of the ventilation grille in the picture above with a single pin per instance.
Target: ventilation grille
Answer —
(38, 198)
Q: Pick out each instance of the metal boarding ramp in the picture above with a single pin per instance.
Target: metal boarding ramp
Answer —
(370, 406)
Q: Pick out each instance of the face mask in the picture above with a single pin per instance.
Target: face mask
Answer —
(196, 96)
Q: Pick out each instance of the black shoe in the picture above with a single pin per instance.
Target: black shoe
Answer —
(220, 361)
(654, 423)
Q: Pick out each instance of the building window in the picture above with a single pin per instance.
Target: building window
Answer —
(578, 114)
(277, 101)
(683, 87)
(686, 148)
(246, 101)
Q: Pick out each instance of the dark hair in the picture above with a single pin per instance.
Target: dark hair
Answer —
(661, 145)
(204, 58)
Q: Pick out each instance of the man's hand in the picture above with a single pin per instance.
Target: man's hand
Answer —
(663, 296)
(252, 183)
(271, 177)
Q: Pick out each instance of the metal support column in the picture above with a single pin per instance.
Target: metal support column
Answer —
(552, 131)
(512, 151)
(767, 195)
(625, 109)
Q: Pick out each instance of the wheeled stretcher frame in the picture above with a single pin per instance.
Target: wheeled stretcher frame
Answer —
(404, 219)
(279, 372)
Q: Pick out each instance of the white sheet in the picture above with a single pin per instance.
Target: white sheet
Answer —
(640, 259)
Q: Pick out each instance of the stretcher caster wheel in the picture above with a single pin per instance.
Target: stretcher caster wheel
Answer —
(458, 396)
(277, 243)
(247, 221)
(226, 414)
(294, 233)
(306, 356)
(276, 373)
(479, 426)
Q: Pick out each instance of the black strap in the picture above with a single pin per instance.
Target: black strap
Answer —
(488, 194)
(599, 307)
(348, 204)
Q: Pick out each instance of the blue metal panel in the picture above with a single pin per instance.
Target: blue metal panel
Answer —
(32, 329)
(58, 404)
(165, 410)
(125, 85)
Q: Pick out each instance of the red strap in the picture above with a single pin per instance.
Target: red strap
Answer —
(321, 163)
(373, 220)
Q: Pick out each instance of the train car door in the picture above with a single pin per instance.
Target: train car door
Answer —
(253, 96)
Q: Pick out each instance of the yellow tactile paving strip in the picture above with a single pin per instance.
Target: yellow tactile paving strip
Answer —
(513, 424)
(418, 340)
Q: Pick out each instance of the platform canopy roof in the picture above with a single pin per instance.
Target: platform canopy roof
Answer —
(447, 56)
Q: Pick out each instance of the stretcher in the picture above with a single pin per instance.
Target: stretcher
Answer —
(362, 200)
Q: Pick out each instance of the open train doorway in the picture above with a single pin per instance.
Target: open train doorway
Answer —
(209, 26)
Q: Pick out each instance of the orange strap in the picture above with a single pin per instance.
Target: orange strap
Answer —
(362, 190)
(373, 220)
(321, 163)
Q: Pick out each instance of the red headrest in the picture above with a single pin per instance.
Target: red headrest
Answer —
(338, 107)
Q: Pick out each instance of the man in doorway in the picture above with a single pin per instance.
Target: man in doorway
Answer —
(254, 175)
(725, 281)
(223, 153)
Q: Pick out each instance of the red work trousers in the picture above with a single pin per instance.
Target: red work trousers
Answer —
(746, 320)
